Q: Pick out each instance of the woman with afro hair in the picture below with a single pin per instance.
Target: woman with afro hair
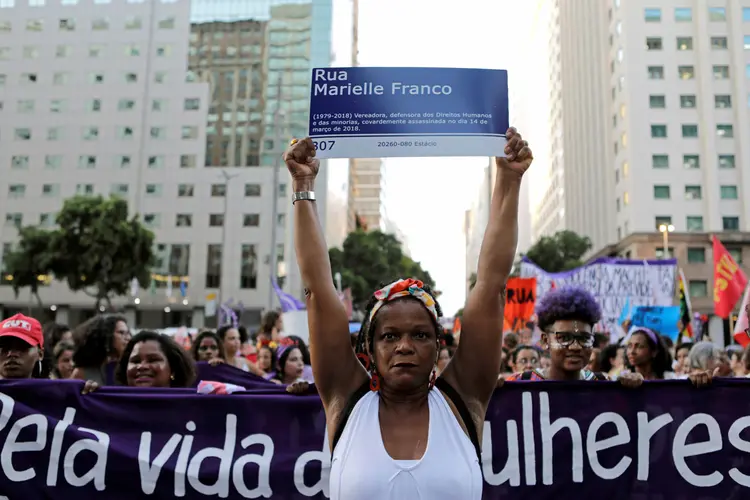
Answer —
(566, 317)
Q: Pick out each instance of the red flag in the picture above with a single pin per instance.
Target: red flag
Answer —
(729, 280)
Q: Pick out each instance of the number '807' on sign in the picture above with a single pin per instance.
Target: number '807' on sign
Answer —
(324, 145)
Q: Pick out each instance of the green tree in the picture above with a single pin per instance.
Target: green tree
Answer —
(99, 250)
(370, 258)
(560, 252)
(29, 262)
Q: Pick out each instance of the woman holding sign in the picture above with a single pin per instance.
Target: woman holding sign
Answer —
(396, 429)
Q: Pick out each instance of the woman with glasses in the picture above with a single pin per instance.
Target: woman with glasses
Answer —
(566, 318)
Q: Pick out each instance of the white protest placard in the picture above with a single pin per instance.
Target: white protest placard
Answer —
(613, 282)
(401, 112)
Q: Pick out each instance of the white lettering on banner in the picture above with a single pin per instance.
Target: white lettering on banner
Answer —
(586, 444)
(612, 284)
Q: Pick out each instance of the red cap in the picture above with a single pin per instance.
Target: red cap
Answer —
(27, 329)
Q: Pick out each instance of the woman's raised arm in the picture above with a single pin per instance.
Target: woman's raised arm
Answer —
(336, 369)
(475, 366)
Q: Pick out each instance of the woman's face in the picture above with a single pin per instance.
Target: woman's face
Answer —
(293, 366)
(265, 359)
(681, 354)
(570, 344)
(619, 361)
(443, 359)
(639, 350)
(208, 349)
(66, 336)
(593, 359)
(121, 337)
(405, 343)
(148, 366)
(232, 342)
(526, 359)
(65, 364)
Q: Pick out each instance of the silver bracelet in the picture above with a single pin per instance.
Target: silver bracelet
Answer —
(303, 196)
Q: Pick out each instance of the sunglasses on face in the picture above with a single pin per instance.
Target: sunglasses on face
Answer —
(566, 339)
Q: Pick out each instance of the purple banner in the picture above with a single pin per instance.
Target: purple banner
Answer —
(542, 440)
(231, 375)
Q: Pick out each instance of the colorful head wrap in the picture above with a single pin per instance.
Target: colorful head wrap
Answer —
(404, 288)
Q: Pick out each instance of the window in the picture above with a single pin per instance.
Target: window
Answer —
(693, 193)
(67, 24)
(660, 253)
(4, 53)
(662, 219)
(657, 101)
(152, 220)
(30, 52)
(158, 132)
(726, 161)
(133, 23)
(163, 50)
(122, 161)
(14, 219)
(153, 190)
(717, 14)
(156, 162)
(746, 14)
(730, 223)
(248, 267)
(85, 189)
(94, 105)
(690, 131)
(188, 161)
(698, 288)
(16, 190)
(28, 78)
(736, 254)
(214, 258)
(185, 190)
(684, 43)
(90, 133)
(58, 106)
(25, 106)
(722, 101)
(653, 43)
(52, 162)
(132, 50)
(131, 78)
(652, 15)
(190, 132)
(218, 190)
(694, 223)
(86, 161)
(728, 192)
(251, 220)
(192, 104)
(119, 189)
(166, 24)
(686, 72)
(60, 78)
(47, 220)
(100, 24)
(659, 161)
(216, 220)
(63, 51)
(656, 72)
(22, 134)
(3, 79)
(126, 105)
(718, 42)
(96, 50)
(691, 161)
(19, 162)
(125, 132)
(160, 77)
(6, 27)
(683, 14)
(159, 105)
(184, 220)
(54, 133)
(96, 78)
(746, 42)
(659, 131)
(34, 25)
(721, 72)
(252, 189)
(725, 130)
(696, 255)
(661, 192)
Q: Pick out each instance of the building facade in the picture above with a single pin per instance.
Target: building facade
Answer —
(183, 108)
(366, 191)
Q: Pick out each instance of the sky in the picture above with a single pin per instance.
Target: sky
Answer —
(432, 33)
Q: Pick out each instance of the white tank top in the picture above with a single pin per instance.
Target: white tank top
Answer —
(361, 468)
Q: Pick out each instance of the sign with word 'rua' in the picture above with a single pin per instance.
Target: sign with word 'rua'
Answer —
(387, 112)
(541, 440)
(613, 282)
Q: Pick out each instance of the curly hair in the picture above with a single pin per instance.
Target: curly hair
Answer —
(53, 333)
(180, 363)
(94, 340)
(365, 338)
(222, 332)
(206, 334)
(568, 303)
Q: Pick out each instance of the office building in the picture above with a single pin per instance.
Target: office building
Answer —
(174, 106)
(366, 190)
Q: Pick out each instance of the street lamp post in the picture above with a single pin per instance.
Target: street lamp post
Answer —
(665, 229)
(223, 261)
